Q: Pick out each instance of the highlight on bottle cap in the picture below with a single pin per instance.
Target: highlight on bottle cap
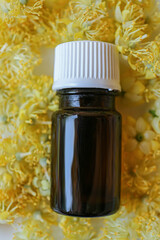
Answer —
(86, 64)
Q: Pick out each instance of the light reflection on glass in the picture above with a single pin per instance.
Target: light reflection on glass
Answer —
(69, 155)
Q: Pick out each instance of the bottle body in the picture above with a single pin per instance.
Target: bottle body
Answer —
(86, 155)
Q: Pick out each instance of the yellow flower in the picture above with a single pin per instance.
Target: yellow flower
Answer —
(35, 100)
(8, 8)
(133, 88)
(119, 226)
(6, 180)
(136, 179)
(139, 170)
(38, 90)
(155, 116)
(132, 28)
(33, 25)
(148, 226)
(7, 212)
(139, 136)
(146, 59)
(45, 214)
(152, 91)
(87, 20)
(38, 32)
(76, 228)
(19, 9)
(42, 183)
(8, 113)
(151, 202)
(18, 170)
(16, 61)
(35, 227)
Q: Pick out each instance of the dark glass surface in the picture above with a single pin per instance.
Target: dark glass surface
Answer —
(86, 154)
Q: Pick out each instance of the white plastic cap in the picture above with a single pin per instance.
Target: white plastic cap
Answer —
(86, 64)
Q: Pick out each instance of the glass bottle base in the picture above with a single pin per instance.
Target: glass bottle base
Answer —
(109, 209)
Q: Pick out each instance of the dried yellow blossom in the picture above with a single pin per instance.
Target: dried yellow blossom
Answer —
(41, 181)
(7, 212)
(8, 113)
(16, 61)
(155, 116)
(119, 226)
(87, 20)
(146, 59)
(133, 87)
(40, 31)
(20, 9)
(20, 168)
(150, 203)
(76, 228)
(140, 169)
(140, 135)
(137, 179)
(124, 225)
(148, 227)
(152, 90)
(132, 28)
(35, 227)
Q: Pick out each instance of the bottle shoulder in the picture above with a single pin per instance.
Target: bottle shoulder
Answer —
(86, 112)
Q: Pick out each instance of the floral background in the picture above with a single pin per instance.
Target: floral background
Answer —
(27, 102)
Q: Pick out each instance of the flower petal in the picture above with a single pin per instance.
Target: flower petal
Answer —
(131, 131)
(131, 145)
(145, 147)
(138, 88)
(141, 125)
(156, 125)
(149, 135)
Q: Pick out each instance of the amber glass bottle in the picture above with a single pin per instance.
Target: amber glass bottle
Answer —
(86, 146)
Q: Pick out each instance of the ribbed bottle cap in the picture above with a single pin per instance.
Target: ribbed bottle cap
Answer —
(86, 64)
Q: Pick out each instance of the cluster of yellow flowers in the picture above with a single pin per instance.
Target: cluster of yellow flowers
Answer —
(27, 102)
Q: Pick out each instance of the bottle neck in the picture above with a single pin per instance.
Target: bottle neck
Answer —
(87, 98)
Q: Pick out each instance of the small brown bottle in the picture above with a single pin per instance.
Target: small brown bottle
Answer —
(86, 130)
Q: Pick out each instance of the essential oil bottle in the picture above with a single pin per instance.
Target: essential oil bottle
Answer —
(86, 130)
